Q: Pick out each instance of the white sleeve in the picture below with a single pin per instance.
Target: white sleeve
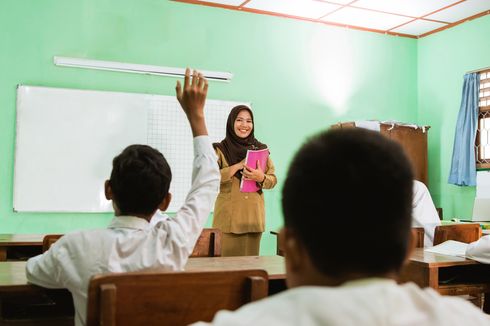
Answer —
(424, 213)
(189, 220)
(158, 217)
(43, 270)
(479, 250)
(423, 208)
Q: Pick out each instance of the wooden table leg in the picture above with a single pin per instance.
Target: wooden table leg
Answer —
(3, 253)
(486, 303)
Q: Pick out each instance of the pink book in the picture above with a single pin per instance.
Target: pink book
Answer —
(251, 161)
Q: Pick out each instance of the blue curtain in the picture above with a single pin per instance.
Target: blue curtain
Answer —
(463, 165)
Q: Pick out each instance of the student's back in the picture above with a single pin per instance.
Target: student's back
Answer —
(138, 186)
(128, 244)
(369, 302)
(341, 273)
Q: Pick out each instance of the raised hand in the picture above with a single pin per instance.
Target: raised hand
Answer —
(192, 98)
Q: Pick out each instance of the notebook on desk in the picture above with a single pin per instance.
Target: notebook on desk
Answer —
(450, 247)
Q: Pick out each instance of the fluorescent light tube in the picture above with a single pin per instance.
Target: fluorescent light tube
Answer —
(136, 68)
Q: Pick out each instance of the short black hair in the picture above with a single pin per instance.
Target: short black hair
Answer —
(140, 179)
(348, 197)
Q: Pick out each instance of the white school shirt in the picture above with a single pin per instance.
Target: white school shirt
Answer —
(424, 213)
(479, 250)
(131, 243)
(368, 302)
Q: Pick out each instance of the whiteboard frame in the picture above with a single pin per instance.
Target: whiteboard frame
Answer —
(19, 203)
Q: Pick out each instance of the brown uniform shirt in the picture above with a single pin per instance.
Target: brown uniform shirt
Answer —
(240, 212)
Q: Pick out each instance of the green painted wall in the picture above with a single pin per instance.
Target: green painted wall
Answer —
(443, 59)
(301, 77)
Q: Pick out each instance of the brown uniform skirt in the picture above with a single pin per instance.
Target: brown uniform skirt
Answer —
(245, 244)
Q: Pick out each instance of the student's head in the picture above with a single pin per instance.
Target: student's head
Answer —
(241, 121)
(139, 183)
(347, 203)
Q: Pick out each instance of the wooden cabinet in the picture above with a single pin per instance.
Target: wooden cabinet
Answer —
(412, 139)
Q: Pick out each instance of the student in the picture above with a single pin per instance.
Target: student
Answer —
(424, 213)
(479, 250)
(347, 203)
(138, 186)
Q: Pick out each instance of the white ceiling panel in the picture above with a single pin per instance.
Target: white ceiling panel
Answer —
(418, 27)
(366, 19)
(414, 8)
(378, 15)
(461, 11)
(301, 8)
(340, 2)
(226, 2)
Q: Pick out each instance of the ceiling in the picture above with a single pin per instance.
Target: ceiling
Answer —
(409, 18)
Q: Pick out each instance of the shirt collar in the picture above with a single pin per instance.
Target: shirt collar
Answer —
(368, 281)
(129, 222)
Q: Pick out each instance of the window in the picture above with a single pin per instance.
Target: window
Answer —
(483, 129)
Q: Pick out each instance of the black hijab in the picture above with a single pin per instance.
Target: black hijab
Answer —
(233, 147)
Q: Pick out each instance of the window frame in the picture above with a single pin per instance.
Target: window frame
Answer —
(483, 113)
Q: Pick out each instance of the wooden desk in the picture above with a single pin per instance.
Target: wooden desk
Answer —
(13, 276)
(14, 286)
(443, 273)
(22, 303)
(273, 265)
(28, 244)
(449, 275)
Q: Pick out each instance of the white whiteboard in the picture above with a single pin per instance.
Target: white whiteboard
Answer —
(66, 140)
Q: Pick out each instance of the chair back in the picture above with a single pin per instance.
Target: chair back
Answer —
(279, 243)
(49, 239)
(419, 236)
(459, 232)
(208, 244)
(176, 299)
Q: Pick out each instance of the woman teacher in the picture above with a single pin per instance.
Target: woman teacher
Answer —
(240, 215)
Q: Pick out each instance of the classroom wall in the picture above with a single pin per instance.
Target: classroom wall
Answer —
(301, 77)
(443, 59)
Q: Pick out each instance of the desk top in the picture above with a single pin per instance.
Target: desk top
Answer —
(273, 265)
(432, 259)
(21, 239)
(13, 276)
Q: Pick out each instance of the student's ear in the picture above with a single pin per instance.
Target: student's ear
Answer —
(108, 190)
(411, 246)
(295, 256)
(165, 202)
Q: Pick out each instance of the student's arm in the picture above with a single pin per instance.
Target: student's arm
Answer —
(192, 216)
(43, 270)
(187, 225)
(192, 98)
(479, 250)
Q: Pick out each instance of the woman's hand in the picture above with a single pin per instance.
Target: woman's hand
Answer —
(253, 174)
(236, 167)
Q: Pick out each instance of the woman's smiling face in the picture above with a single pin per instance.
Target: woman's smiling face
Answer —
(243, 124)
